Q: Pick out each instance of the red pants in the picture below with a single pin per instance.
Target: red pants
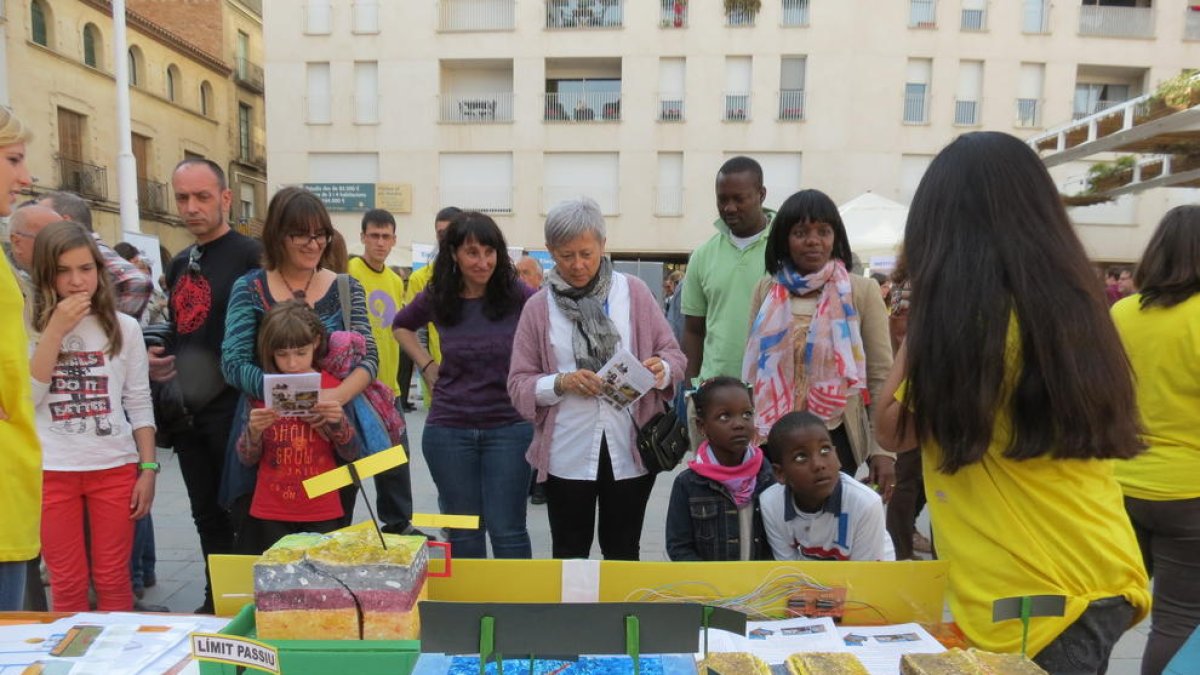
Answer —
(105, 495)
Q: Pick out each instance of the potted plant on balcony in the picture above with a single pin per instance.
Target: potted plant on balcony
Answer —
(743, 11)
(1105, 176)
(679, 12)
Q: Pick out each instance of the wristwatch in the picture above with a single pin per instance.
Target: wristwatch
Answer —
(150, 466)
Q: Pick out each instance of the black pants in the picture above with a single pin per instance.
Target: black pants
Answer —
(571, 505)
(258, 535)
(841, 441)
(908, 498)
(1086, 645)
(201, 453)
(404, 378)
(393, 491)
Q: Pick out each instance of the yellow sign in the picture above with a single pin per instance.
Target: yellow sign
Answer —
(395, 197)
(236, 651)
(366, 467)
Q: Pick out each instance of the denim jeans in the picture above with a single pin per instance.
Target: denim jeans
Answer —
(12, 586)
(483, 472)
(143, 560)
(1084, 647)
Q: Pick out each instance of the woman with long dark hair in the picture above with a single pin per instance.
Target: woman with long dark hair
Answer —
(1160, 327)
(1014, 385)
(819, 338)
(474, 440)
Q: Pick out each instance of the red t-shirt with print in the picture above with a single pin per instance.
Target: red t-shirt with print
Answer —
(292, 452)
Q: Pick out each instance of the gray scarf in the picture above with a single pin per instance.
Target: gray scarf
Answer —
(594, 338)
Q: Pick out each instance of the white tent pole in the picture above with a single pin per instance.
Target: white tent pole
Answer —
(126, 164)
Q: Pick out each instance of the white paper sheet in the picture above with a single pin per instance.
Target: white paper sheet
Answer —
(775, 641)
(879, 648)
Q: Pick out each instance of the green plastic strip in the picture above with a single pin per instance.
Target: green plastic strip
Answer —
(487, 641)
(632, 640)
(1026, 612)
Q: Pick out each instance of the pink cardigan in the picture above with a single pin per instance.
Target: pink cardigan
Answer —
(533, 358)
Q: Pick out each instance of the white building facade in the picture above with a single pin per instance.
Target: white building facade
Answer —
(509, 106)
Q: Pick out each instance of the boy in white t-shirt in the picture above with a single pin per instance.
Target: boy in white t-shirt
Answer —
(816, 512)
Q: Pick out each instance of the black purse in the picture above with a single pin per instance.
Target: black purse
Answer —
(663, 441)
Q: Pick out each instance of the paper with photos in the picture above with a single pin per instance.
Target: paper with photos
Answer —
(624, 379)
(292, 395)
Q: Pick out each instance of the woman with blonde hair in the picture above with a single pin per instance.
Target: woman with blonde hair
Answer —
(91, 394)
(20, 453)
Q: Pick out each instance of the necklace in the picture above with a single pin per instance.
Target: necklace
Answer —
(301, 294)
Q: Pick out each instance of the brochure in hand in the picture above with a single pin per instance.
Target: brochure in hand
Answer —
(625, 380)
(292, 395)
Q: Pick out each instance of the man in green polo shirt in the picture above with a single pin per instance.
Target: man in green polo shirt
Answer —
(722, 273)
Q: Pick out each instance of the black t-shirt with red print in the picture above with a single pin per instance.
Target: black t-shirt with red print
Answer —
(197, 309)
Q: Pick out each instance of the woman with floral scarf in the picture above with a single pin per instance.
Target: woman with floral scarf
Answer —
(819, 335)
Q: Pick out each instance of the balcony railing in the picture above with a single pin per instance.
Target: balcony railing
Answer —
(794, 13)
(481, 198)
(607, 197)
(87, 180)
(1127, 22)
(672, 13)
(966, 113)
(670, 107)
(737, 107)
(1035, 17)
(252, 152)
(476, 108)
(152, 196)
(974, 20)
(476, 15)
(668, 200)
(1083, 110)
(922, 14)
(248, 74)
(916, 108)
(1191, 24)
(1029, 112)
(585, 14)
(604, 106)
(740, 18)
(791, 105)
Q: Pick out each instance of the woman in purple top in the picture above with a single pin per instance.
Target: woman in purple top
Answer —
(474, 440)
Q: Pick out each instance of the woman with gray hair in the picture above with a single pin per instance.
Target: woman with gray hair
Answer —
(583, 449)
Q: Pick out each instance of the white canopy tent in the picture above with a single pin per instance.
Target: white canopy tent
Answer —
(874, 225)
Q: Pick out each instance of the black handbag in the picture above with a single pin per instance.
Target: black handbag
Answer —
(663, 441)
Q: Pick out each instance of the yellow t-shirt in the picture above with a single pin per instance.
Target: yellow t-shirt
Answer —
(1163, 345)
(385, 296)
(20, 452)
(417, 281)
(1039, 526)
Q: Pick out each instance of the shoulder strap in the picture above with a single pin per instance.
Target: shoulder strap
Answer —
(343, 286)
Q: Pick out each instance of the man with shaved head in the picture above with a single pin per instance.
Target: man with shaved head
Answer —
(23, 228)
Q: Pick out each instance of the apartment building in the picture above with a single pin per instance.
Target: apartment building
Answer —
(509, 106)
(187, 88)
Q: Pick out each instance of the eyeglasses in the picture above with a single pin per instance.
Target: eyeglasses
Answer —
(304, 238)
(194, 260)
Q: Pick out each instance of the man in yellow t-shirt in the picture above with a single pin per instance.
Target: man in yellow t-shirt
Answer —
(385, 295)
(417, 282)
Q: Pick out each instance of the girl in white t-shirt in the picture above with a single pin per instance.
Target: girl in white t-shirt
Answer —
(94, 418)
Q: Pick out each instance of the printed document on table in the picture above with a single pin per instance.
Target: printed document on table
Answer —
(292, 395)
(775, 641)
(879, 648)
(625, 380)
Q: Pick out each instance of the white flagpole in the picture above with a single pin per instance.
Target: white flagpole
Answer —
(126, 164)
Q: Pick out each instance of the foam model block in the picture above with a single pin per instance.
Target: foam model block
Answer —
(733, 663)
(825, 663)
(341, 586)
(968, 662)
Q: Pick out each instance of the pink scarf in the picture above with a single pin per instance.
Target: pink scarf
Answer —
(740, 480)
(834, 360)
